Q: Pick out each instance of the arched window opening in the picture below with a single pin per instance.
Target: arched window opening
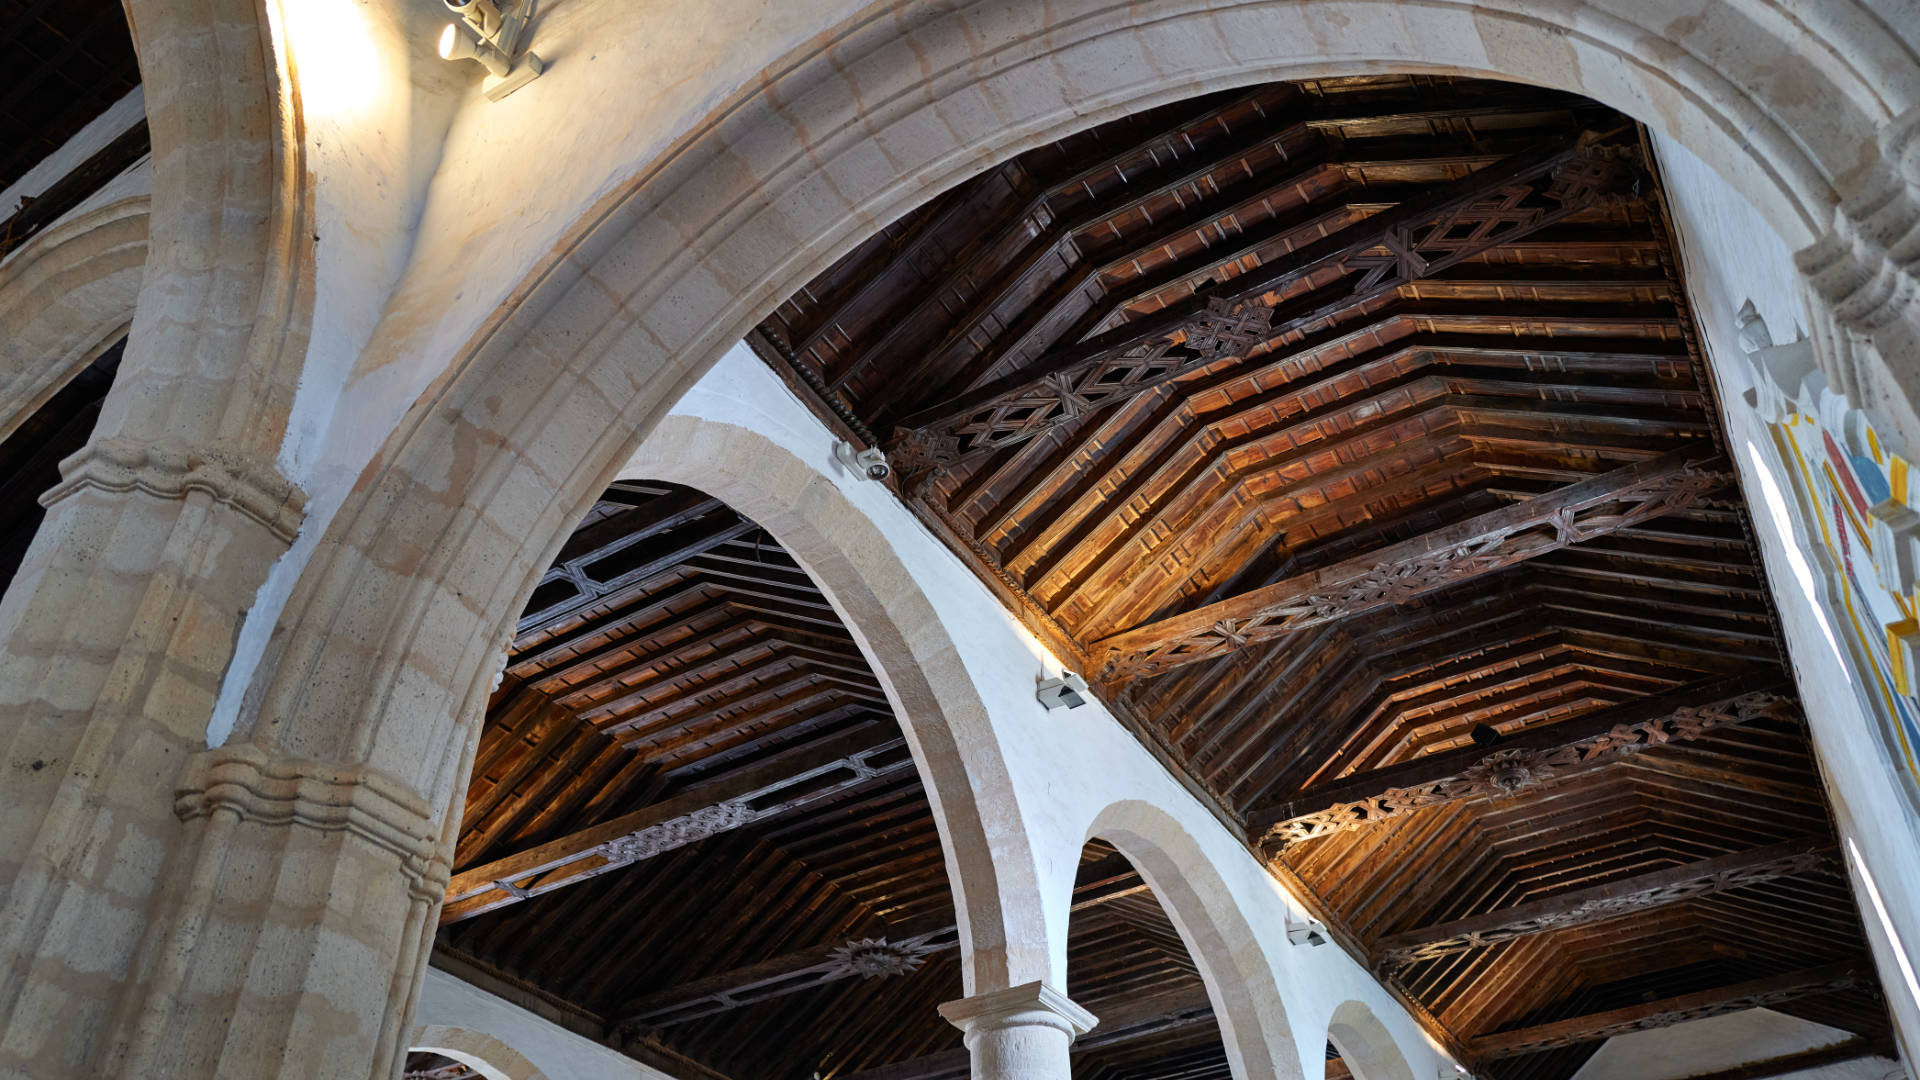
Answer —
(694, 825)
(1127, 965)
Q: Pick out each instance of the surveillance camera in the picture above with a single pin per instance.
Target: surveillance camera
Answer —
(870, 463)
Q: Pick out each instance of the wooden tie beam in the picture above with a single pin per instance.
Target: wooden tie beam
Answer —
(1400, 572)
(1496, 205)
(1524, 759)
(1096, 883)
(1804, 1061)
(778, 787)
(1773, 990)
(1161, 1014)
(1582, 907)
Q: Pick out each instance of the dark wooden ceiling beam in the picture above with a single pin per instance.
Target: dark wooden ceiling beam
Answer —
(1096, 883)
(1792, 1064)
(1503, 201)
(1755, 993)
(780, 786)
(1597, 903)
(1525, 757)
(1395, 574)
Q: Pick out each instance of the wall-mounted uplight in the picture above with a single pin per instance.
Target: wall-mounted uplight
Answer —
(488, 36)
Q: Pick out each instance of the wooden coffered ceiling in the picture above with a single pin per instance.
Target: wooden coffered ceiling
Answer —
(1355, 437)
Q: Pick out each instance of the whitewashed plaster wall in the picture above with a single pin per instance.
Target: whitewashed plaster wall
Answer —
(450, 1008)
(1075, 773)
(1731, 256)
(1724, 1042)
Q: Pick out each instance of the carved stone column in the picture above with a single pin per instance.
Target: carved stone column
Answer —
(1021, 1033)
(113, 640)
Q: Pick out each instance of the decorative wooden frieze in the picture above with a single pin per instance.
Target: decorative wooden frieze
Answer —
(1507, 772)
(1398, 573)
(1757, 993)
(1495, 206)
(1603, 902)
(681, 831)
(779, 788)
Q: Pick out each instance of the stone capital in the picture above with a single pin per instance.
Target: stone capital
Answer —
(171, 469)
(246, 782)
(1033, 1004)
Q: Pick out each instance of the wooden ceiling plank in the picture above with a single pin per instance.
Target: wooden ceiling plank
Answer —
(1826, 979)
(1591, 738)
(1401, 571)
(972, 424)
(1601, 902)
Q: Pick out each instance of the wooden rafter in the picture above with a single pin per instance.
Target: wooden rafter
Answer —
(1581, 907)
(1524, 759)
(786, 784)
(1496, 205)
(1096, 883)
(1145, 1018)
(1827, 979)
(1794, 1064)
(1398, 573)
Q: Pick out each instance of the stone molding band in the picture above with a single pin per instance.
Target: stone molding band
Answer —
(171, 469)
(255, 786)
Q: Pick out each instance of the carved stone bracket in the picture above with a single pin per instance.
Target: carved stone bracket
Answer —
(1507, 772)
(246, 782)
(171, 469)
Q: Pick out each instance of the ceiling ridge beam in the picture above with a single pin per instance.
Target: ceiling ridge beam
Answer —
(1227, 319)
(1525, 758)
(780, 786)
(1598, 903)
(1400, 572)
(1754, 993)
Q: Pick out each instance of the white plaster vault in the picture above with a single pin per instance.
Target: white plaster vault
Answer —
(385, 350)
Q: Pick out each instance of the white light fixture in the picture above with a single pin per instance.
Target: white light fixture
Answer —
(488, 36)
(1069, 691)
(869, 463)
(1311, 932)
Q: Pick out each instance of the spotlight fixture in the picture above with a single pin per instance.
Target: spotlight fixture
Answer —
(1310, 932)
(870, 463)
(488, 36)
(1069, 691)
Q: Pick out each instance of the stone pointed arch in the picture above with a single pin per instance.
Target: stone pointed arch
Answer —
(1233, 960)
(64, 297)
(1365, 1044)
(982, 836)
(382, 657)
